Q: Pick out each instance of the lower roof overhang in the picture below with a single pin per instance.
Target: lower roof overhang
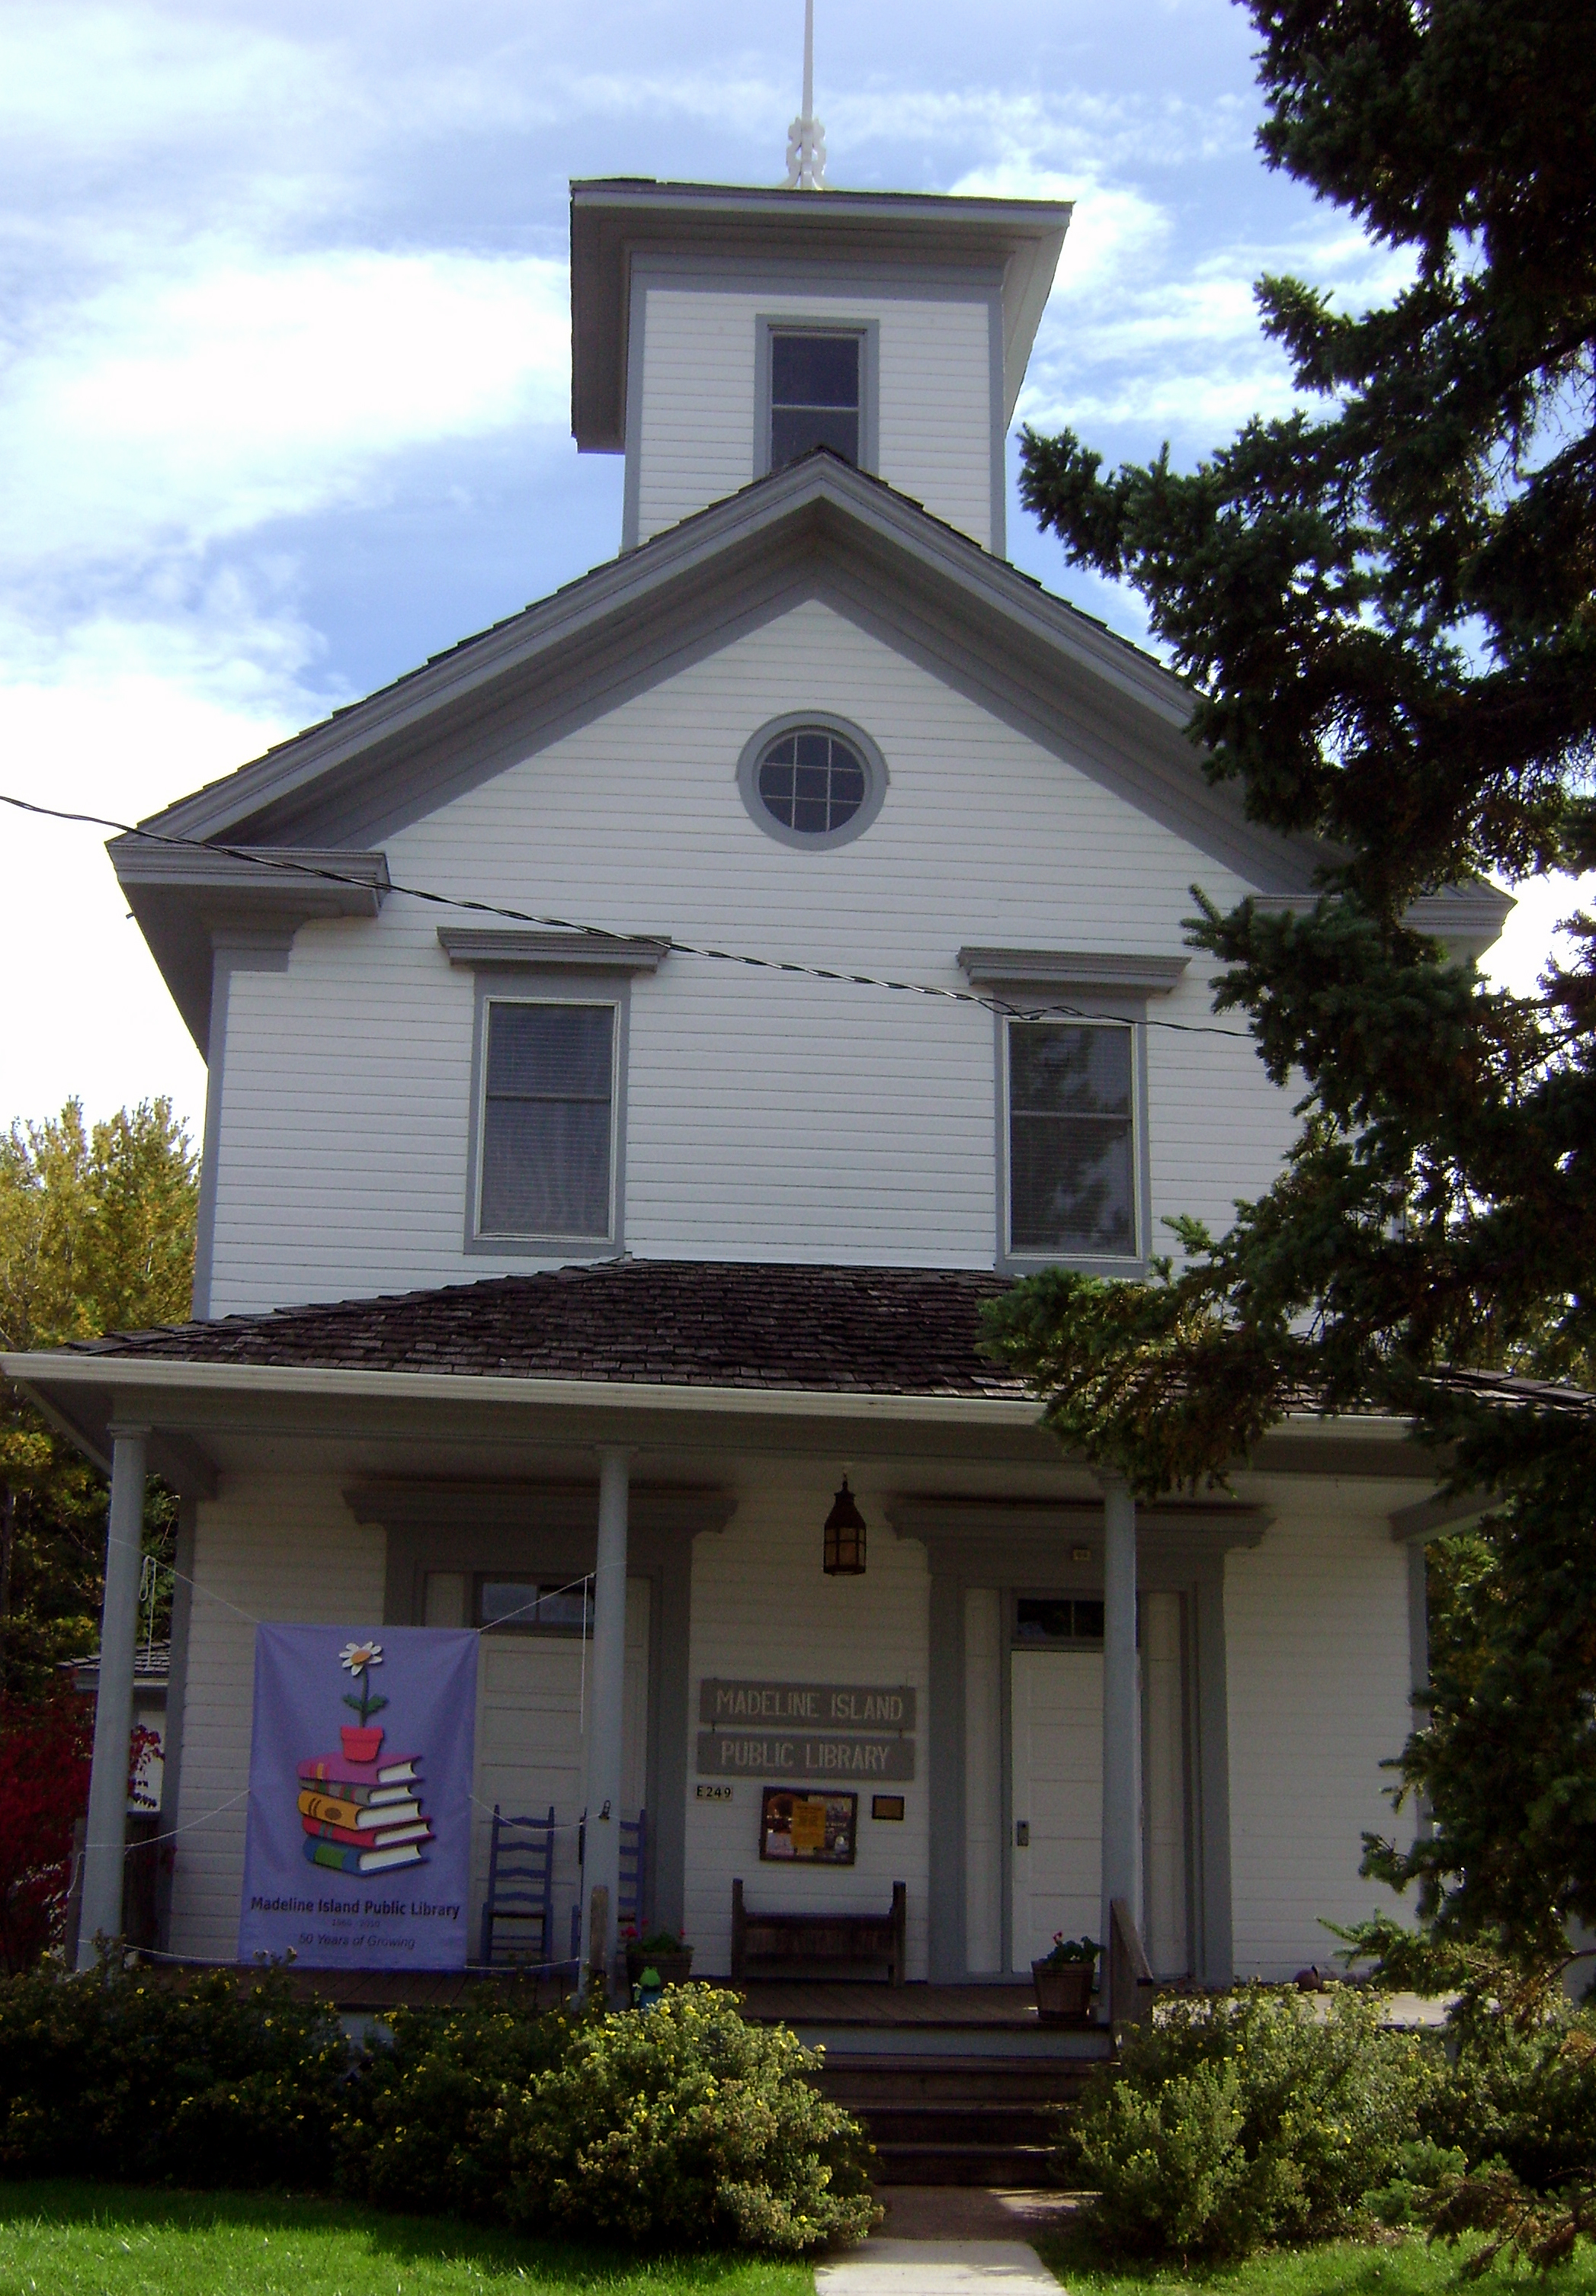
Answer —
(208, 1422)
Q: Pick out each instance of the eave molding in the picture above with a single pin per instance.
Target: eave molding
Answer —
(1025, 1525)
(1058, 968)
(150, 1377)
(539, 1508)
(570, 952)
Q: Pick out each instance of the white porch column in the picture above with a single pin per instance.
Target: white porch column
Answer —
(1122, 1768)
(1164, 1786)
(606, 1731)
(107, 1826)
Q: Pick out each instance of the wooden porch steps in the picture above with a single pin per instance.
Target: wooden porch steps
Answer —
(959, 2119)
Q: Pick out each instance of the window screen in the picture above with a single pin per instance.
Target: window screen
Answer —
(546, 1120)
(1071, 1146)
(814, 396)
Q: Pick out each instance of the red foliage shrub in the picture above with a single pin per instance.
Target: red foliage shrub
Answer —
(44, 1789)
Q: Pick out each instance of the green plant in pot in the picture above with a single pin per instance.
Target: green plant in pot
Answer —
(664, 1951)
(1063, 1979)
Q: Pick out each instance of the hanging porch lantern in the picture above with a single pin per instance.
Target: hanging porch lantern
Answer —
(845, 1538)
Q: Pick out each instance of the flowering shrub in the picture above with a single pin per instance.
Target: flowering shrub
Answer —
(1231, 2123)
(683, 2127)
(685, 2124)
(207, 2083)
(44, 1790)
(437, 2110)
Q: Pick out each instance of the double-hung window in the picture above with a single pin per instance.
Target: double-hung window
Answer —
(546, 1161)
(816, 394)
(1073, 1159)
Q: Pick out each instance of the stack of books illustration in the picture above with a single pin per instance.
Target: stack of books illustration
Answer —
(362, 1818)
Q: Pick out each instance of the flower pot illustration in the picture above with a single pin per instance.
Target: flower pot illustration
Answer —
(362, 1739)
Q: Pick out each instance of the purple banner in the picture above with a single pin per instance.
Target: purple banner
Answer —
(358, 1854)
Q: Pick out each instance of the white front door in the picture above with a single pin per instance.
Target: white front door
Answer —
(1058, 1798)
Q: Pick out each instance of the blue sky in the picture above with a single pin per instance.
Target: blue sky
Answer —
(284, 356)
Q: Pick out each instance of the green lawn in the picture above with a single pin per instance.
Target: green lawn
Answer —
(1394, 2266)
(71, 2239)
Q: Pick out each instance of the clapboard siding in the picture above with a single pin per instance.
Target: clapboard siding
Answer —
(767, 1116)
(1318, 1660)
(762, 1609)
(268, 1548)
(697, 413)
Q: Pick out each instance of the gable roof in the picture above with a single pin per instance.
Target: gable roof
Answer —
(1079, 689)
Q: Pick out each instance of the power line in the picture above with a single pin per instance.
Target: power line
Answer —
(290, 868)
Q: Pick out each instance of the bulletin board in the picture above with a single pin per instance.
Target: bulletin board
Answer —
(808, 1829)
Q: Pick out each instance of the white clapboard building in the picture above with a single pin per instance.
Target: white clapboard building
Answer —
(586, 1249)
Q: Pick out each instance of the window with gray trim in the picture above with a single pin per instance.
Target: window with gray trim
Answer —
(546, 1161)
(1072, 1140)
(815, 394)
(812, 781)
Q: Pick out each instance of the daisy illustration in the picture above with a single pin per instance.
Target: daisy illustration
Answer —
(360, 1658)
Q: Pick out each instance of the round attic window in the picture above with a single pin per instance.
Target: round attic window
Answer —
(811, 780)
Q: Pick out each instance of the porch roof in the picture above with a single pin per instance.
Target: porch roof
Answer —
(681, 1360)
(821, 1330)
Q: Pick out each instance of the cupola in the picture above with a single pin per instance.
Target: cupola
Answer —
(719, 333)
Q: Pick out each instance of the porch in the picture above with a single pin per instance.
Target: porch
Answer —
(1078, 1714)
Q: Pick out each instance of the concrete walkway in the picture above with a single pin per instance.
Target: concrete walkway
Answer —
(937, 2267)
(949, 2240)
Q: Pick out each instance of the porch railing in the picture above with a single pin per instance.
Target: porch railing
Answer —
(1130, 1979)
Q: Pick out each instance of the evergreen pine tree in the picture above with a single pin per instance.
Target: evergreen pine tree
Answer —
(1386, 605)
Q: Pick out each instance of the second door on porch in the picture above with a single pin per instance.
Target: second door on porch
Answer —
(1056, 1853)
(535, 1692)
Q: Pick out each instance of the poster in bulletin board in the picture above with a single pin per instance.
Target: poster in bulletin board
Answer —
(808, 1829)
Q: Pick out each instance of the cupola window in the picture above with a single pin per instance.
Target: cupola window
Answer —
(814, 396)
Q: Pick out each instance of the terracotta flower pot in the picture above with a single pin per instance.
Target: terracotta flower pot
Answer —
(360, 1743)
(1063, 1991)
(674, 1968)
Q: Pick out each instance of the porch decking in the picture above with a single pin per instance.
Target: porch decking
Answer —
(962, 2008)
(885, 2017)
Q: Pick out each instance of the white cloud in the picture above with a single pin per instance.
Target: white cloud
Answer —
(172, 410)
(88, 1012)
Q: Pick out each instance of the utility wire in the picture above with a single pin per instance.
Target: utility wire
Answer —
(287, 866)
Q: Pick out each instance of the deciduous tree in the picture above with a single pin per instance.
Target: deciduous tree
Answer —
(96, 1234)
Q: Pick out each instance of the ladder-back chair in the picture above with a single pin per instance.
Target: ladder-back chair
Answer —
(520, 1885)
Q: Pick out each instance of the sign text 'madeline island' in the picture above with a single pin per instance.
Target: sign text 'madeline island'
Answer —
(814, 1705)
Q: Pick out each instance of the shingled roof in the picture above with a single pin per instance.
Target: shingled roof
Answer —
(838, 1331)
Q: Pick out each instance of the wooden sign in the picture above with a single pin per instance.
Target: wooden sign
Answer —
(808, 1829)
(813, 1705)
(801, 1756)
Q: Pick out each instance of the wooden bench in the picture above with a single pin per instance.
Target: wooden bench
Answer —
(782, 1938)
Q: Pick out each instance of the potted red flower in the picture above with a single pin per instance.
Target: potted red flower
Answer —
(361, 1741)
(662, 1952)
(1063, 1980)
